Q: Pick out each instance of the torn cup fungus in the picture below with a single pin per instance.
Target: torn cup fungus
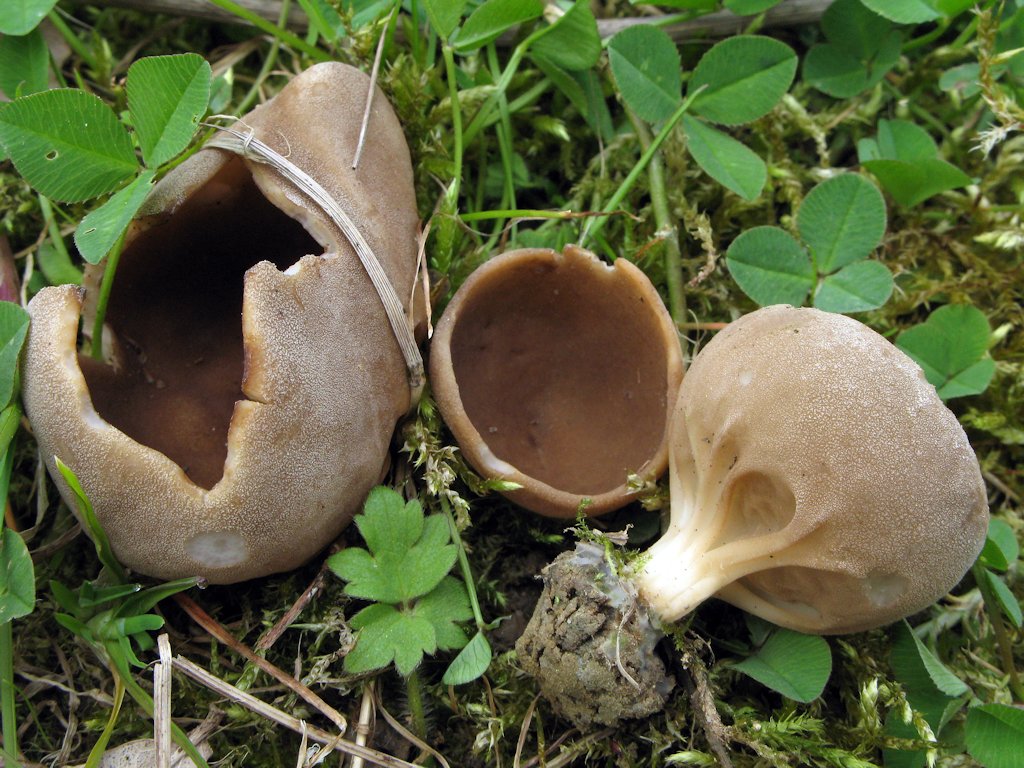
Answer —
(817, 481)
(254, 375)
(557, 372)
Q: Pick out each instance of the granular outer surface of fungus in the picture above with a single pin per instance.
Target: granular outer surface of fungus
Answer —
(251, 380)
(591, 645)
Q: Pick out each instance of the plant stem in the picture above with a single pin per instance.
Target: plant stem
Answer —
(663, 220)
(414, 690)
(268, 65)
(96, 753)
(104, 298)
(283, 35)
(467, 571)
(627, 184)
(7, 703)
(52, 228)
(74, 43)
(453, 96)
(995, 618)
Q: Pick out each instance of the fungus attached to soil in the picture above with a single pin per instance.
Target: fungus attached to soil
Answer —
(817, 481)
(250, 389)
(558, 372)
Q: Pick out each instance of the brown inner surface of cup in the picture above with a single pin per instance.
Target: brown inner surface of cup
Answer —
(561, 368)
(176, 309)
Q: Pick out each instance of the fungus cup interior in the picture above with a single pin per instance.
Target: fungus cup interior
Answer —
(175, 311)
(558, 371)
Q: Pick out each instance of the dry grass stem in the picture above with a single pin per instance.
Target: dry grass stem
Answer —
(524, 730)
(261, 708)
(162, 703)
(272, 635)
(409, 736)
(374, 72)
(365, 724)
(208, 623)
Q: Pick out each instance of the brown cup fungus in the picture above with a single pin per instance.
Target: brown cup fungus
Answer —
(556, 371)
(817, 481)
(252, 376)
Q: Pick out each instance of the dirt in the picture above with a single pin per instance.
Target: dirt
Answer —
(591, 646)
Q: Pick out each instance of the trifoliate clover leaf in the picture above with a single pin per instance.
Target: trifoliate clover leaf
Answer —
(443, 608)
(387, 634)
(408, 554)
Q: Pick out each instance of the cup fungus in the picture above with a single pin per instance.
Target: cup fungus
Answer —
(817, 481)
(557, 372)
(250, 390)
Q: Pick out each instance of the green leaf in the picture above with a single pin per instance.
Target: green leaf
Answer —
(19, 17)
(931, 689)
(964, 79)
(24, 64)
(583, 89)
(727, 161)
(13, 329)
(386, 635)
(90, 522)
(67, 144)
(951, 347)
(408, 557)
(1001, 548)
(770, 266)
(902, 758)
(856, 287)
(994, 734)
(573, 41)
(167, 96)
(743, 78)
(750, 7)
(913, 183)
(904, 11)
(329, 25)
(841, 220)
(18, 586)
(443, 607)
(471, 663)
(862, 48)
(905, 160)
(1007, 600)
(797, 666)
(102, 228)
(444, 15)
(493, 18)
(647, 71)
(56, 265)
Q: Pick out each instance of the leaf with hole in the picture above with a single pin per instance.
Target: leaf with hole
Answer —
(727, 161)
(770, 266)
(931, 688)
(167, 96)
(741, 79)
(572, 42)
(952, 348)
(102, 227)
(19, 17)
(797, 666)
(856, 287)
(18, 586)
(994, 734)
(24, 64)
(1001, 549)
(841, 220)
(68, 144)
(493, 18)
(646, 68)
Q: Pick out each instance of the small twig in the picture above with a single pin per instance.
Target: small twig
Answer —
(162, 703)
(273, 634)
(703, 703)
(250, 702)
(208, 623)
(523, 731)
(374, 72)
(408, 735)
